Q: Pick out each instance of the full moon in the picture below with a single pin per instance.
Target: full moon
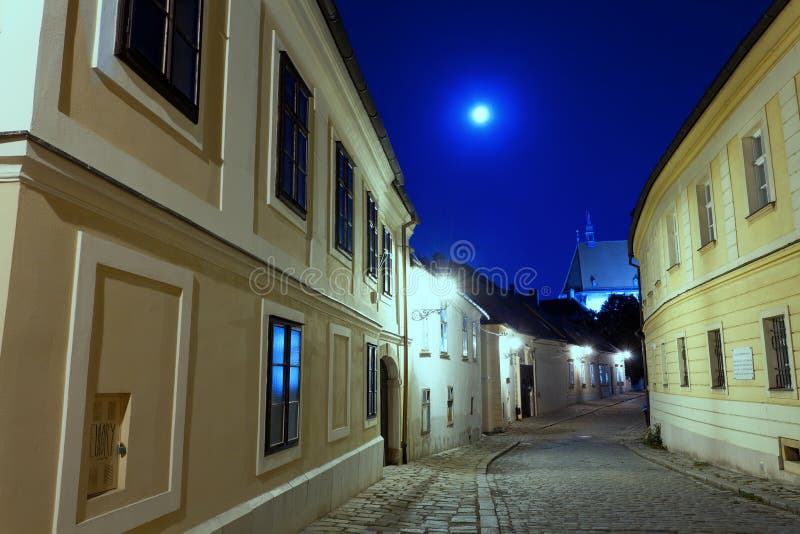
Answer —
(480, 114)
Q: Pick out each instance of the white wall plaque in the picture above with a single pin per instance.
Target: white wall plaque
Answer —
(743, 363)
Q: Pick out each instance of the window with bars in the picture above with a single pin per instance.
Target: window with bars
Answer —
(160, 41)
(450, 401)
(283, 385)
(388, 262)
(779, 368)
(756, 170)
(716, 357)
(443, 331)
(372, 381)
(464, 339)
(591, 373)
(683, 368)
(705, 211)
(673, 241)
(426, 411)
(372, 237)
(294, 97)
(664, 374)
(344, 200)
(571, 373)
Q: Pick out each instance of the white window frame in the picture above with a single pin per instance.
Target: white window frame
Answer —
(765, 314)
(705, 212)
(425, 421)
(451, 406)
(91, 252)
(757, 128)
(475, 329)
(683, 364)
(443, 332)
(708, 329)
(571, 373)
(673, 239)
(268, 462)
(664, 370)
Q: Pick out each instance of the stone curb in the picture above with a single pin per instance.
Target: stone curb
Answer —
(487, 515)
(718, 483)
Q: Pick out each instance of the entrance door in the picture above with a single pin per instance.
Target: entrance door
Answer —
(385, 411)
(526, 388)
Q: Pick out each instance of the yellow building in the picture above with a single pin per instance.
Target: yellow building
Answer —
(202, 253)
(717, 234)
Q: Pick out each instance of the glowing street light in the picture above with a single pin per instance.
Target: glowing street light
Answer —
(480, 114)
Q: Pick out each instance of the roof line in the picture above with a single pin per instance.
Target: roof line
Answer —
(331, 15)
(710, 94)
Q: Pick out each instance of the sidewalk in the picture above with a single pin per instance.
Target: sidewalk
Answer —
(768, 492)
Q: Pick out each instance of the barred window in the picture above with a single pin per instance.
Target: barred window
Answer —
(372, 381)
(372, 236)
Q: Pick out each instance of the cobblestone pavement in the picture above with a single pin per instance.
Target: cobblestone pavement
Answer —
(436, 494)
(575, 475)
(580, 469)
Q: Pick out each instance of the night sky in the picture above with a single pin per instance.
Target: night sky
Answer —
(585, 97)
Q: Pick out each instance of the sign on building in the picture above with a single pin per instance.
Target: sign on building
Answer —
(743, 363)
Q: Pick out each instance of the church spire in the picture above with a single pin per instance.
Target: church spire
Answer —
(589, 230)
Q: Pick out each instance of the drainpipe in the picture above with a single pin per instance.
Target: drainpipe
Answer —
(640, 334)
(404, 442)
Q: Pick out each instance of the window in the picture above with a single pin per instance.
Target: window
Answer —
(292, 137)
(283, 385)
(756, 171)
(449, 405)
(372, 381)
(426, 410)
(464, 340)
(475, 341)
(683, 368)
(591, 373)
(673, 243)
(583, 374)
(372, 237)
(571, 373)
(472, 405)
(160, 41)
(443, 331)
(705, 211)
(388, 262)
(716, 358)
(664, 375)
(344, 200)
(779, 369)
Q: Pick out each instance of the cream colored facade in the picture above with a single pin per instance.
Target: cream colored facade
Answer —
(737, 170)
(142, 259)
(444, 365)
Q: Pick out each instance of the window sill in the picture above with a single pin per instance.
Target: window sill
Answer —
(444, 355)
(289, 202)
(424, 354)
(760, 212)
(278, 458)
(449, 425)
(465, 358)
(708, 246)
(370, 422)
(673, 267)
(782, 393)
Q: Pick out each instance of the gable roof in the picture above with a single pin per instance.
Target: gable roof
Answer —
(605, 263)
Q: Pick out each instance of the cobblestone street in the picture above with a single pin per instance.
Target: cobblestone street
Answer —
(570, 471)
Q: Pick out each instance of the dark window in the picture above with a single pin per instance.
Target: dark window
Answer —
(372, 237)
(388, 262)
(779, 368)
(160, 41)
(344, 200)
(283, 385)
(294, 97)
(372, 381)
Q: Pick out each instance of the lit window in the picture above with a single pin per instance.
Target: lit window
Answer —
(160, 41)
(372, 237)
(283, 386)
(475, 341)
(464, 340)
(292, 137)
(672, 239)
(388, 262)
(449, 405)
(756, 171)
(344, 200)
(683, 368)
(779, 368)
(571, 373)
(372, 381)
(716, 357)
(591, 373)
(705, 211)
(426, 410)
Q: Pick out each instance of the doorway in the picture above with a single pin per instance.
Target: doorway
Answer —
(526, 389)
(384, 396)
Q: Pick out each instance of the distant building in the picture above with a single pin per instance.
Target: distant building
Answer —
(717, 233)
(598, 270)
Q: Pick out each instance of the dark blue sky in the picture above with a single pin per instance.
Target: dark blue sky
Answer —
(585, 96)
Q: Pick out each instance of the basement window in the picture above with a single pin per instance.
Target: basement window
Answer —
(790, 455)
